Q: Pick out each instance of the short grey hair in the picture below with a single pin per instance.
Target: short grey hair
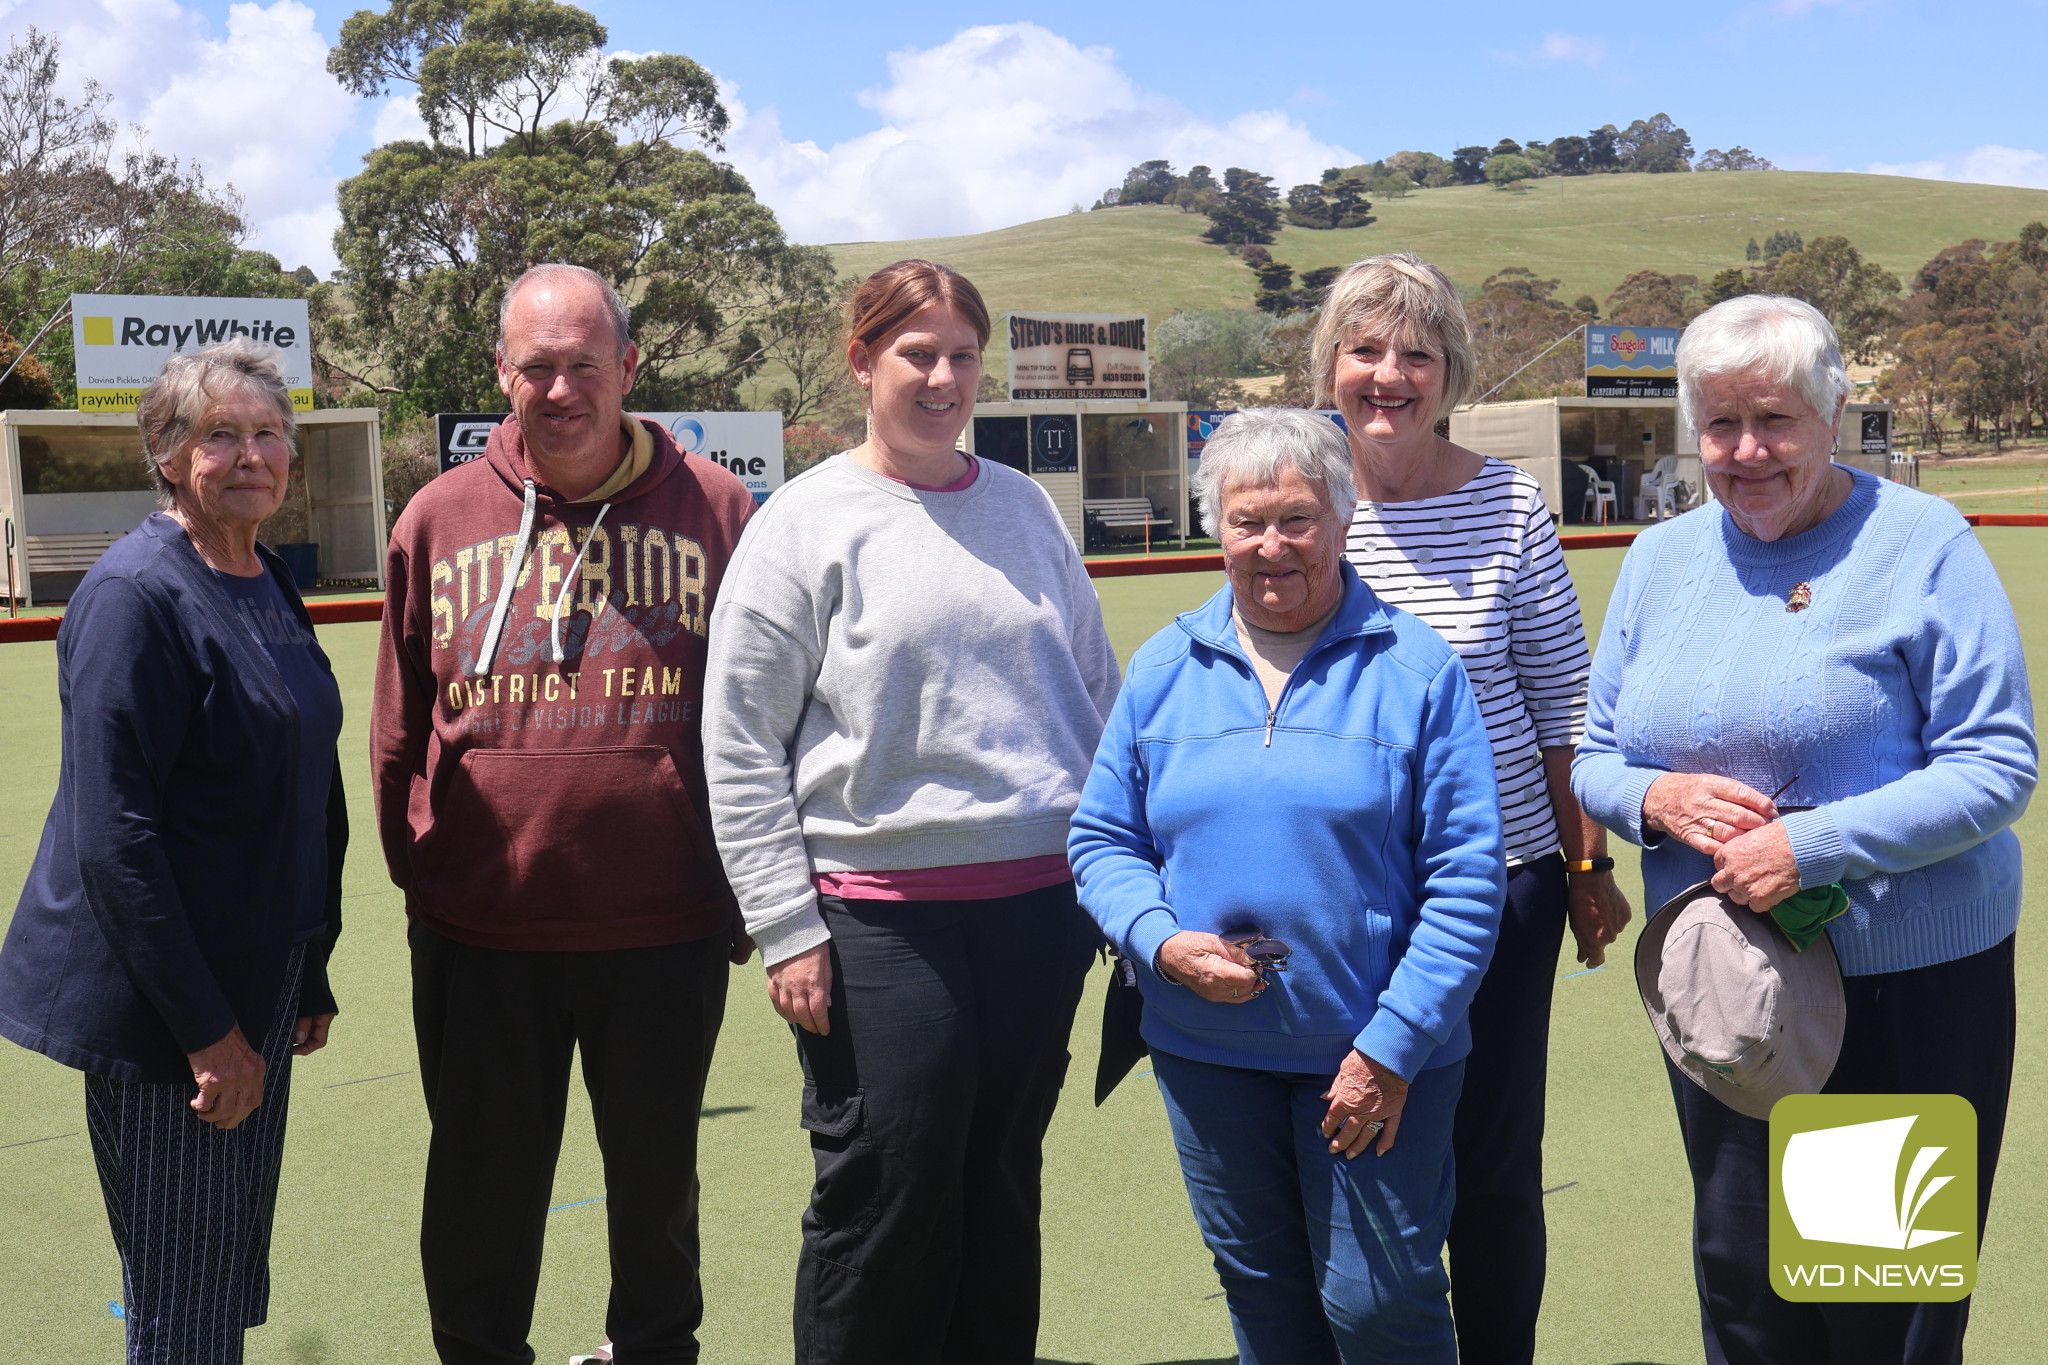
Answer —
(176, 401)
(1251, 447)
(1787, 340)
(558, 272)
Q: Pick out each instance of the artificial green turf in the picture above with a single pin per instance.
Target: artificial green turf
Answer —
(1126, 1279)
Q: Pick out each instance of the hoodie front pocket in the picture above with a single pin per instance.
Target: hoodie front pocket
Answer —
(530, 838)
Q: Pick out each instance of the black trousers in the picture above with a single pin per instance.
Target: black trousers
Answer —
(1945, 1029)
(496, 1031)
(1498, 1245)
(927, 1106)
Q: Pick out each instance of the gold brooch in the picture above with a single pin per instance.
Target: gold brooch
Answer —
(1801, 597)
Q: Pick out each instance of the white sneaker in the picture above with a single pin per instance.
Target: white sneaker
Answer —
(601, 1356)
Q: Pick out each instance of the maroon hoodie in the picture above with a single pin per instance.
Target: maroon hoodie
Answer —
(541, 798)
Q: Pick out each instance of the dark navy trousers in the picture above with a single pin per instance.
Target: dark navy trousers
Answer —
(191, 1205)
(1498, 1243)
(1948, 1029)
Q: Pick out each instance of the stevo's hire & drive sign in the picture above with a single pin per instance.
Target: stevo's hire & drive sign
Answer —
(122, 340)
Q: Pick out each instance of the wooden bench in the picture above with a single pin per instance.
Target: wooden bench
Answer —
(69, 553)
(1125, 514)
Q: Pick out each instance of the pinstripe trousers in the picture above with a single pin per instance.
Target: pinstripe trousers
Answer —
(191, 1205)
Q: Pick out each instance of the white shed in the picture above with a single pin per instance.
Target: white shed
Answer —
(73, 483)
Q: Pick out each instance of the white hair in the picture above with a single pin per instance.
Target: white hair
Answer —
(1250, 447)
(1787, 340)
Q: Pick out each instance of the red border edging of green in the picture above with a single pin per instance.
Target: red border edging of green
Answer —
(28, 628)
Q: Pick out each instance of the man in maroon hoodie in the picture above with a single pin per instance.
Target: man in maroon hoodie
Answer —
(541, 800)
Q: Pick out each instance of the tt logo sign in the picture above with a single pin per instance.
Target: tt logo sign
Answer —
(463, 436)
(1873, 1198)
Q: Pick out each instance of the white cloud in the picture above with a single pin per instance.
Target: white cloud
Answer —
(1563, 47)
(398, 120)
(999, 125)
(1987, 165)
(254, 106)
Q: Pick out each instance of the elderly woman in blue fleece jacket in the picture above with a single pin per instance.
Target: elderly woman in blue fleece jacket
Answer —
(1299, 761)
(1843, 643)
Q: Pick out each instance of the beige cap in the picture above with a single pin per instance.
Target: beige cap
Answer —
(1738, 1009)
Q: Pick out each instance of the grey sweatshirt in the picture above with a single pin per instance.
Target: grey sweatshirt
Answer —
(897, 679)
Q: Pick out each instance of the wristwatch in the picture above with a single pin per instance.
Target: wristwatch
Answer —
(1591, 865)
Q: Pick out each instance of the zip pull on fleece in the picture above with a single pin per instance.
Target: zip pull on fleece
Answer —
(1270, 714)
(569, 581)
(489, 652)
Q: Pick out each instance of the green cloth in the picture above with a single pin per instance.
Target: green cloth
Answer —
(1804, 915)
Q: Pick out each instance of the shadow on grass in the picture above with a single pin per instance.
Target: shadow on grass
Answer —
(720, 1111)
(1206, 1360)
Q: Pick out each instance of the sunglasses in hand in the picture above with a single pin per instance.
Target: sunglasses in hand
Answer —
(1267, 954)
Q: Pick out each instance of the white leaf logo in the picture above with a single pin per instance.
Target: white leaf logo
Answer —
(1839, 1185)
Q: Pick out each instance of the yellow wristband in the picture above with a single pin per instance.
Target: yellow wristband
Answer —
(1591, 865)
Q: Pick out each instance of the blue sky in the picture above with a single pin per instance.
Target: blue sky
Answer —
(888, 120)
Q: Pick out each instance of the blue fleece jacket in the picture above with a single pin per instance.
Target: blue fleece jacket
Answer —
(1892, 694)
(1358, 821)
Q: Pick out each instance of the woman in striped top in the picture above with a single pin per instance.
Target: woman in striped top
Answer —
(1465, 543)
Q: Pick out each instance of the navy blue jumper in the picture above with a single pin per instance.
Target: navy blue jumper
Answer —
(161, 909)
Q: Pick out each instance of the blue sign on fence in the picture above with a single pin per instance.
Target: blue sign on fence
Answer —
(1632, 362)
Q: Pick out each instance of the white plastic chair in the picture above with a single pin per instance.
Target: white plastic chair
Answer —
(1662, 488)
(1600, 497)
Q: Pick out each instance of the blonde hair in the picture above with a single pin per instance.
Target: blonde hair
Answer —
(177, 400)
(1407, 301)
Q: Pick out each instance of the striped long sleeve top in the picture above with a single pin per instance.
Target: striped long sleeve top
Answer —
(1483, 566)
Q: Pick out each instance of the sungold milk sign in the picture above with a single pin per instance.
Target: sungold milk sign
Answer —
(123, 340)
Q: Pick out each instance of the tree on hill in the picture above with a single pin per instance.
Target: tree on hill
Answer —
(1752, 251)
(1972, 338)
(1780, 242)
(1650, 298)
(1246, 213)
(1507, 169)
(1340, 204)
(1426, 169)
(1603, 150)
(1568, 155)
(1150, 182)
(1468, 165)
(1655, 146)
(1831, 274)
(1734, 159)
(543, 150)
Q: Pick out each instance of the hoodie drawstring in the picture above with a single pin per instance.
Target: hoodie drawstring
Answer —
(489, 651)
(569, 581)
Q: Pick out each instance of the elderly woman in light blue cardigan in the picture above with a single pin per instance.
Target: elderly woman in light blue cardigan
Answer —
(1843, 643)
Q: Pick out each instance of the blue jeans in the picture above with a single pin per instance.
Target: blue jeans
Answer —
(1321, 1258)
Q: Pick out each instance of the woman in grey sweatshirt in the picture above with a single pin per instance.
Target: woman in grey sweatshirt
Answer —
(908, 675)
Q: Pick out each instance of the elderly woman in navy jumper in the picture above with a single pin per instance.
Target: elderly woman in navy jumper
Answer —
(1843, 643)
(1300, 765)
(172, 939)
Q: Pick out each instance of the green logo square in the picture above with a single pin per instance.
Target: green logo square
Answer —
(1873, 1198)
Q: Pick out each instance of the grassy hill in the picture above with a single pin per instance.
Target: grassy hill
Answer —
(1588, 232)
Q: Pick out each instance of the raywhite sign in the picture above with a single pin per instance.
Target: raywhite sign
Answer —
(747, 443)
(1078, 356)
(122, 340)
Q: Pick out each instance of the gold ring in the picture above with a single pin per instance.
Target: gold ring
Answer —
(1233, 992)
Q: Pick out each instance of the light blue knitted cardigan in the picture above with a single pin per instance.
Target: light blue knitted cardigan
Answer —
(1898, 699)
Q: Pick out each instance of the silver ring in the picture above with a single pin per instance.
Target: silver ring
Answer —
(1375, 1126)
